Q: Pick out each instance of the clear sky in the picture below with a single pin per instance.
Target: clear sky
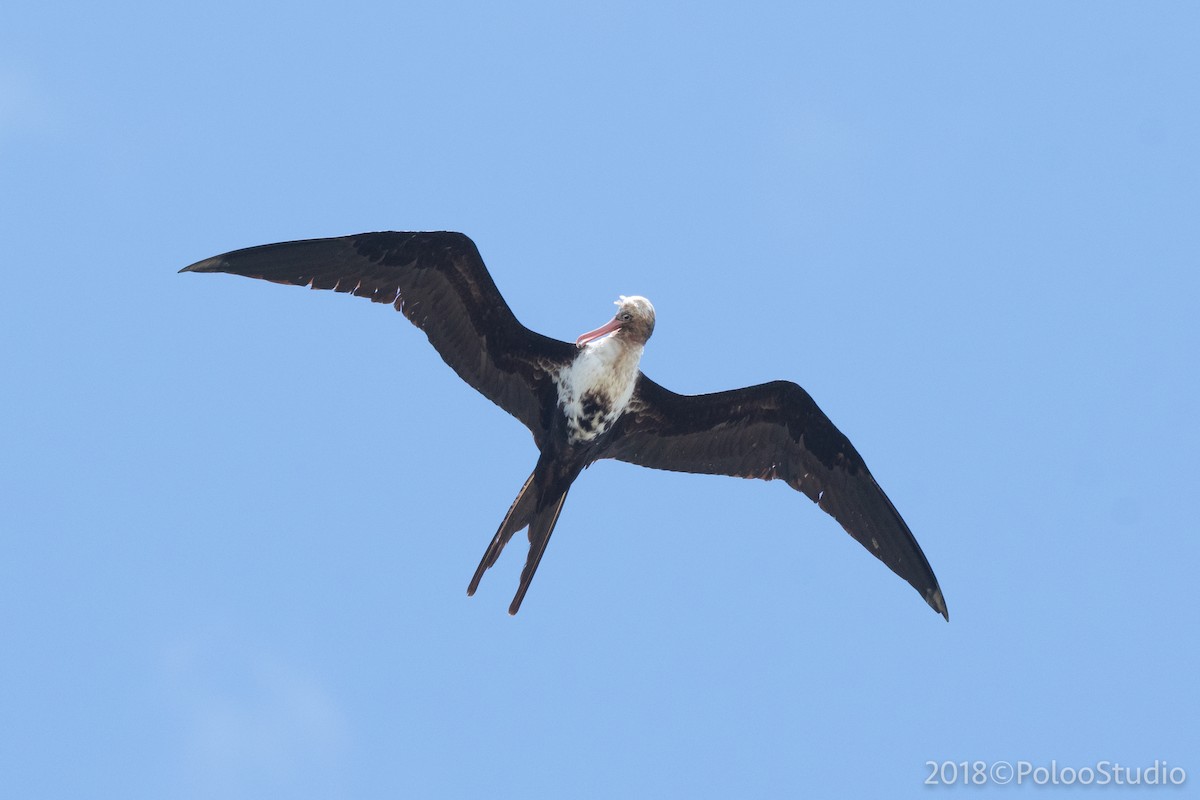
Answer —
(238, 519)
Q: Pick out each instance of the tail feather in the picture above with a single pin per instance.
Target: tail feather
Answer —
(520, 513)
(539, 536)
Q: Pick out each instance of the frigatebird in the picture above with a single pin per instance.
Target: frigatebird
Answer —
(589, 400)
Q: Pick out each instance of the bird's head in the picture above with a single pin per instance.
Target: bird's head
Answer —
(634, 322)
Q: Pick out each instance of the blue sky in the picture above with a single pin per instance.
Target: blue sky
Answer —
(239, 518)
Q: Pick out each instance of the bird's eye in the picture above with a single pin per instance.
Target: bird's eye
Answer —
(626, 317)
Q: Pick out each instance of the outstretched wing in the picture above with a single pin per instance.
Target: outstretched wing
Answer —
(438, 281)
(773, 430)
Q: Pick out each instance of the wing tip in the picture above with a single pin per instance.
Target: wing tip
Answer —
(207, 265)
(938, 603)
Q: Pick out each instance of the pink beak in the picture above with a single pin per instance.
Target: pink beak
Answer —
(603, 330)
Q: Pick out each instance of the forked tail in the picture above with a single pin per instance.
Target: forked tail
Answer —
(537, 507)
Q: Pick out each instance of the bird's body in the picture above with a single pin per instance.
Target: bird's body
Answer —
(595, 388)
(589, 401)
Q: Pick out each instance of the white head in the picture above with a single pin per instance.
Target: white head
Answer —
(634, 321)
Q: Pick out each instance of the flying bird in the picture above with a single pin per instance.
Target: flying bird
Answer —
(589, 400)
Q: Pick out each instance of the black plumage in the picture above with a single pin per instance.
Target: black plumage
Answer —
(774, 430)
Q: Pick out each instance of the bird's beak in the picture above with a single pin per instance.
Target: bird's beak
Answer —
(605, 329)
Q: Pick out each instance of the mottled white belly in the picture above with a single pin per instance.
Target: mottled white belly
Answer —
(595, 389)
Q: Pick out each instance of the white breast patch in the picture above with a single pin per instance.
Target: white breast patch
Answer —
(595, 389)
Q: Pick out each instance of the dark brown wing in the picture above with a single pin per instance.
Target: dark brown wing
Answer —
(438, 281)
(773, 430)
